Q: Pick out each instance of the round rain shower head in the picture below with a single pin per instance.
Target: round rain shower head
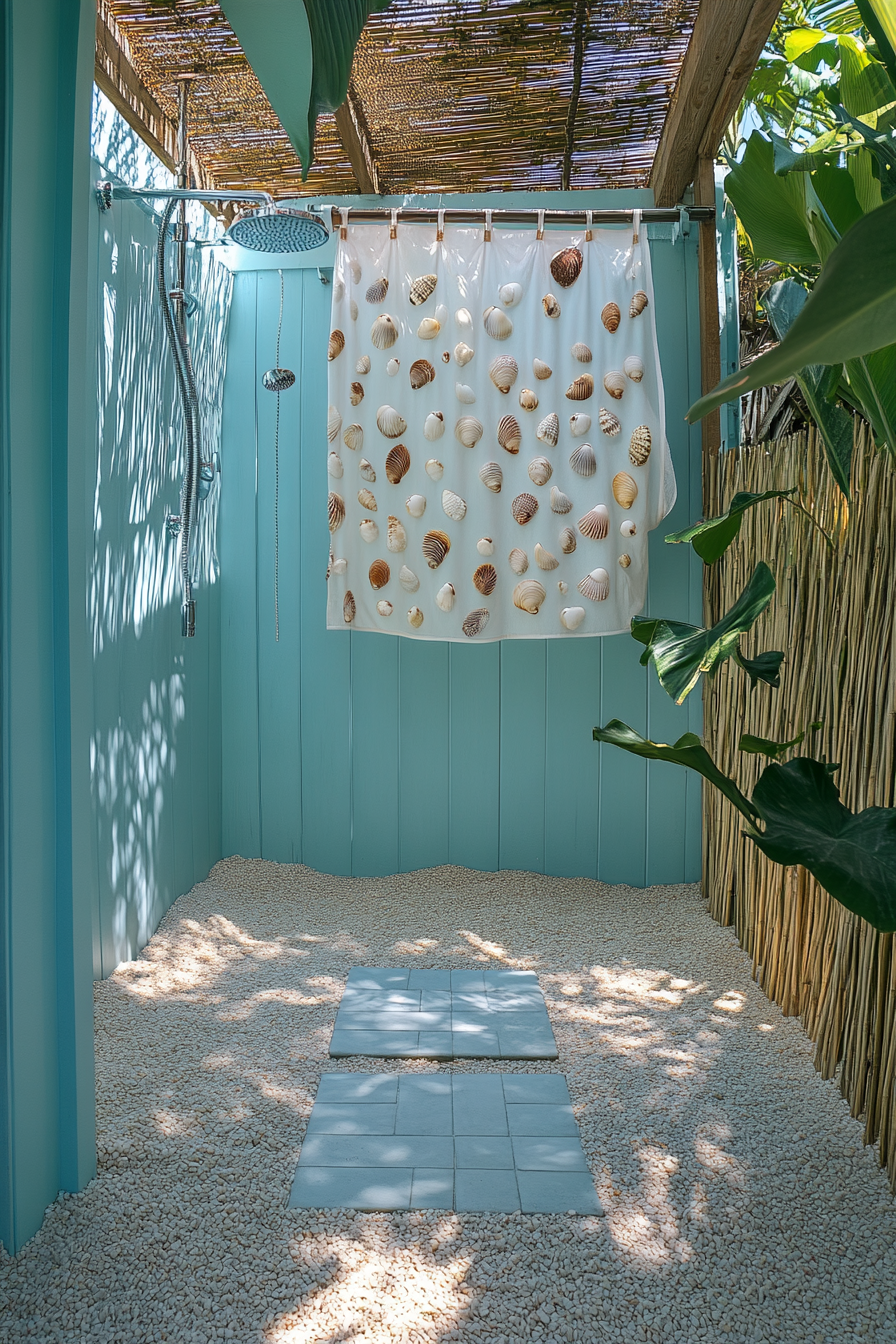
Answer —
(273, 228)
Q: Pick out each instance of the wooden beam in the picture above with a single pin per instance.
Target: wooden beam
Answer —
(725, 45)
(708, 291)
(351, 126)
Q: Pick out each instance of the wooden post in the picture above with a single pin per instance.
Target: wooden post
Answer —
(707, 263)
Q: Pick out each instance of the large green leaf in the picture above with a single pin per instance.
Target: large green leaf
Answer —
(875, 23)
(688, 751)
(767, 746)
(850, 312)
(864, 82)
(771, 209)
(681, 653)
(712, 537)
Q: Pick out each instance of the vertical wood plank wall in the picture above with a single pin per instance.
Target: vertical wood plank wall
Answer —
(366, 754)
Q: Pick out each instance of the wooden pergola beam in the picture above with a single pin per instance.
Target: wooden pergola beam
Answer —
(351, 126)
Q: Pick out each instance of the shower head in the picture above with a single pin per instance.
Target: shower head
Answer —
(274, 228)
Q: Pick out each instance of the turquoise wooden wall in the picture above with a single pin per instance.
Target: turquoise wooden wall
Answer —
(365, 754)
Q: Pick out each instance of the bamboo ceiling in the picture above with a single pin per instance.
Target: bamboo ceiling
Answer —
(455, 95)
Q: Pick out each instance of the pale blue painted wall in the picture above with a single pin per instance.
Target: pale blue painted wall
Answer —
(359, 753)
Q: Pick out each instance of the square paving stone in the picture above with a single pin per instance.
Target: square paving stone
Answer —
(348, 1117)
(546, 1121)
(432, 1188)
(484, 1191)
(369, 1188)
(557, 1192)
(487, 1151)
(368, 1087)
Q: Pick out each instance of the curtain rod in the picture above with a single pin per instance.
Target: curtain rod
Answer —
(430, 215)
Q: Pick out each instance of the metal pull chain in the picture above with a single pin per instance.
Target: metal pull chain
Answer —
(277, 482)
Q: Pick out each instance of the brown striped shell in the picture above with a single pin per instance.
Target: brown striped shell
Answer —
(398, 463)
(638, 303)
(492, 476)
(625, 489)
(485, 579)
(503, 372)
(435, 546)
(524, 508)
(420, 373)
(348, 607)
(336, 345)
(595, 523)
(421, 289)
(335, 510)
(510, 436)
(581, 388)
(475, 622)
(611, 316)
(550, 305)
(378, 290)
(566, 266)
(379, 574)
(609, 423)
(639, 448)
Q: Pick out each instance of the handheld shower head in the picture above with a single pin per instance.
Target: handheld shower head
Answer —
(273, 228)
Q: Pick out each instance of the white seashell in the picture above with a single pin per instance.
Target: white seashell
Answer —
(464, 319)
(392, 367)
(353, 310)
(453, 506)
(529, 595)
(363, 364)
(528, 399)
(492, 477)
(614, 382)
(468, 431)
(349, 609)
(567, 540)
(339, 565)
(544, 560)
(485, 546)
(389, 422)
(549, 430)
(582, 460)
(384, 332)
(572, 617)
(334, 465)
(366, 471)
(384, 608)
(378, 290)
(581, 352)
(625, 561)
(509, 434)
(475, 622)
(518, 560)
(434, 469)
(503, 372)
(638, 303)
(625, 489)
(560, 503)
(338, 292)
(415, 505)
(463, 353)
(627, 528)
(510, 294)
(551, 306)
(396, 537)
(415, 618)
(420, 290)
(408, 579)
(445, 597)
(562, 587)
(369, 530)
(579, 424)
(541, 370)
(355, 268)
(434, 425)
(609, 423)
(497, 324)
(356, 394)
(596, 585)
(633, 368)
(639, 448)
(367, 500)
(540, 471)
(464, 393)
(429, 328)
(595, 523)
(441, 314)
(334, 422)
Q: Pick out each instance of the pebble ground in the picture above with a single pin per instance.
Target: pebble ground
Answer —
(739, 1202)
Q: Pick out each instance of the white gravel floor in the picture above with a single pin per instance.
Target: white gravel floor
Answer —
(740, 1204)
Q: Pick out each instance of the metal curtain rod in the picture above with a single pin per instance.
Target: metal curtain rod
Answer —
(429, 215)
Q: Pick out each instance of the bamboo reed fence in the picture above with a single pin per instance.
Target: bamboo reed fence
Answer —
(834, 615)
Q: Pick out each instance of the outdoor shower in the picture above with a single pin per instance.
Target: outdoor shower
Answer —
(268, 228)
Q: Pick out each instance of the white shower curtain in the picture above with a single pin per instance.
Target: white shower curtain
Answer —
(497, 449)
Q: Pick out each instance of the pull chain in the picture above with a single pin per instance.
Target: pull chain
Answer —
(277, 482)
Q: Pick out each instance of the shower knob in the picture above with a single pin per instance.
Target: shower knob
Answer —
(278, 380)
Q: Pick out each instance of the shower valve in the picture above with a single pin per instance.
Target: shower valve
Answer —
(172, 524)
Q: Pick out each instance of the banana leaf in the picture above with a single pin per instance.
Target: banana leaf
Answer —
(712, 537)
(771, 208)
(767, 746)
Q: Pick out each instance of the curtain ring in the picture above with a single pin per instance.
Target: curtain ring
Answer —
(588, 218)
(393, 224)
(636, 226)
(487, 237)
(539, 232)
(343, 227)
(440, 227)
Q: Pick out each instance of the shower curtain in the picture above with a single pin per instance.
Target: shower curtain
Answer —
(496, 436)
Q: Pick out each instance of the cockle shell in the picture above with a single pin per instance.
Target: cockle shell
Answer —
(579, 424)
(384, 332)
(415, 618)
(337, 566)
(369, 530)
(638, 303)
(610, 316)
(485, 546)
(518, 560)
(435, 546)
(595, 586)
(421, 372)
(551, 306)
(348, 607)
(566, 266)
(468, 431)
(379, 574)
(335, 510)
(384, 607)
(356, 394)
(503, 372)
(528, 399)
(541, 370)
(408, 579)
(492, 477)
(453, 506)
(639, 448)
(625, 489)
(633, 367)
(398, 463)
(464, 393)
(355, 268)
(434, 425)
(510, 294)
(334, 465)
(336, 344)
(392, 367)
(445, 597)
(609, 423)
(366, 471)
(396, 537)
(334, 422)
(416, 505)
(389, 422)
(434, 469)
(560, 503)
(363, 364)
(567, 540)
(540, 471)
(378, 290)
(595, 523)
(464, 319)
(421, 289)
(572, 617)
(549, 430)
(429, 328)
(338, 292)
(628, 528)
(625, 561)
(475, 622)
(524, 508)
(353, 437)
(367, 500)
(582, 460)
(497, 324)
(353, 310)
(581, 388)
(485, 579)
(544, 560)
(463, 353)
(614, 382)
(510, 436)
(529, 595)
(581, 352)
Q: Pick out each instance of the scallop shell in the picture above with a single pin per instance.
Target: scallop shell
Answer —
(366, 471)
(379, 574)
(475, 622)
(572, 617)
(566, 266)
(369, 530)
(384, 608)
(524, 508)
(581, 352)
(335, 510)
(510, 436)
(464, 319)
(595, 523)
(549, 430)
(510, 294)
(415, 618)
(628, 528)
(528, 399)
(464, 393)
(363, 364)
(435, 546)
(356, 394)
(609, 423)
(518, 560)
(529, 595)
(595, 586)
(492, 477)
(540, 471)
(485, 579)
(453, 506)
(334, 465)
(582, 460)
(398, 463)
(633, 367)
(429, 328)
(378, 290)
(434, 469)
(468, 431)
(567, 540)
(614, 382)
(348, 607)
(463, 353)
(336, 344)
(503, 372)
(353, 310)
(422, 288)
(625, 489)
(445, 597)
(579, 424)
(396, 537)
(421, 372)
(367, 500)
(497, 324)
(392, 367)
(485, 546)
(638, 303)
(625, 561)
(434, 426)
(544, 560)
(416, 505)
(560, 503)
(639, 448)
(384, 332)
(610, 316)
(353, 437)
(408, 579)
(581, 388)
(550, 305)
(334, 422)
(389, 422)
(541, 370)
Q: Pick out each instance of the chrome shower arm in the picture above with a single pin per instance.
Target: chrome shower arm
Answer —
(107, 192)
